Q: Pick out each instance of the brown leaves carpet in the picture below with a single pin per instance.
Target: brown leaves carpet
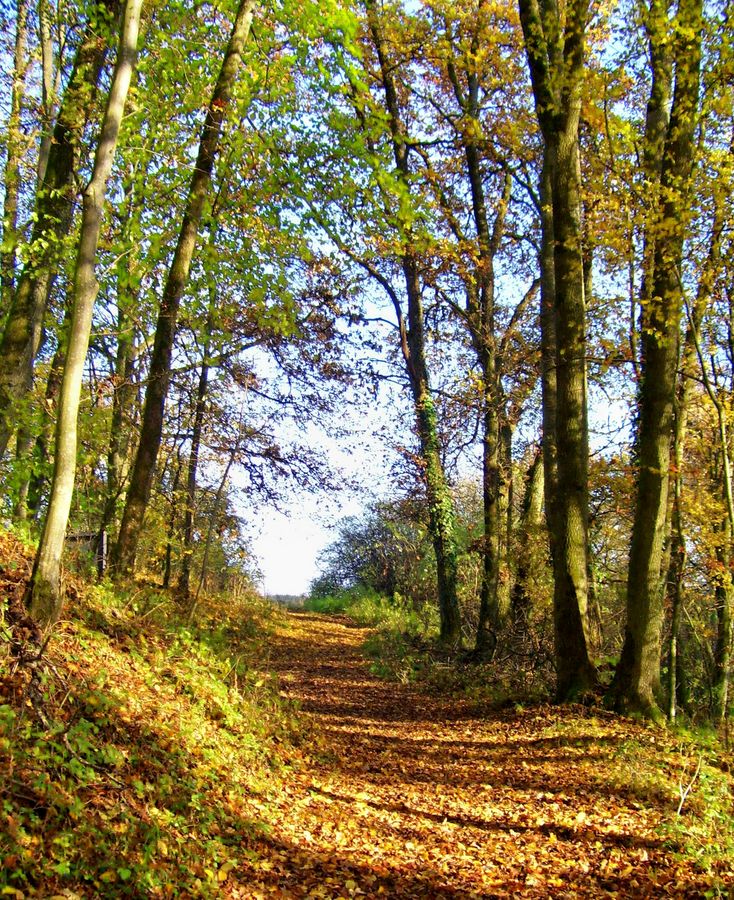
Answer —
(413, 795)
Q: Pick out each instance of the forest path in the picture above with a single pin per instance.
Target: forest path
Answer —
(429, 796)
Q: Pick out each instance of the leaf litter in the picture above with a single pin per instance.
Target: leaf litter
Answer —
(138, 760)
(419, 795)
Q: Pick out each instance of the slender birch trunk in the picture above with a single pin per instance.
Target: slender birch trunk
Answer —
(45, 595)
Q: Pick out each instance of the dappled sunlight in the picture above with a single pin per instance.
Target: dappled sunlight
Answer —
(414, 795)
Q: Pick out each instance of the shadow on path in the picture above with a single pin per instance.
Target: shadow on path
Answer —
(413, 795)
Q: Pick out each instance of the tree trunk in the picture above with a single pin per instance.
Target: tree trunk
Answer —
(141, 480)
(722, 648)
(49, 85)
(531, 518)
(14, 146)
(442, 523)
(184, 582)
(213, 520)
(172, 519)
(123, 398)
(440, 502)
(637, 679)
(44, 593)
(124, 386)
(556, 61)
(489, 611)
(54, 206)
(549, 392)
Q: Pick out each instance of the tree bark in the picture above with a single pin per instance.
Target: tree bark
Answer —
(49, 86)
(184, 582)
(531, 518)
(44, 594)
(11, 184)
(21, 337)
(637, 679)
(440, 502)
(124, 386)
(724, 595)
(143, 471)
(555, 51)
(172, 519)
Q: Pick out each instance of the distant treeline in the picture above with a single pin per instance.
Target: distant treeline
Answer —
(287, 599)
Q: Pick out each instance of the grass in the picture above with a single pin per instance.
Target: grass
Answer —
(689, 773)
(401, 634)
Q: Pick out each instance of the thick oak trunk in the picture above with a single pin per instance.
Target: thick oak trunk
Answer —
(637, 679)
(554, 43)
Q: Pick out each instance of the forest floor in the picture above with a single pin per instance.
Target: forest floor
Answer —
(141, 757)
(429, 796)
(416, 795)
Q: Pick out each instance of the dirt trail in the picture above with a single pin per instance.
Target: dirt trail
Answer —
(424, 796)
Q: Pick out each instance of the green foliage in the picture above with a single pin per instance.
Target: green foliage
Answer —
(329, 604)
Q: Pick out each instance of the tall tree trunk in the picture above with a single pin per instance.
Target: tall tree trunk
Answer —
(234, 450)
(677, 555)
(555, 51)
(184, 582)
(489, 611)
(172, 519)
(14, 151)
(507, 523)
(24, 451)
(481, 322)
(44, 593)
(124, 387)
(637, 679)
(49, 85)
(442, 522)
(141, 480)
(549, 392)
(123, 399)
(722, 648)
(54, 207)
(39, 462)
(440, 502)
(531, 518)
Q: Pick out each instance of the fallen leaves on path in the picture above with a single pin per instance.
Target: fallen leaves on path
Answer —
(428, 796)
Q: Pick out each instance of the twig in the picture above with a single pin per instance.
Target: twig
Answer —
(684, 792)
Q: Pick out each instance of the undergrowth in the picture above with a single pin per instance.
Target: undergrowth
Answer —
(403, 646)
(401, 634)
(690, 774)
(136, 752)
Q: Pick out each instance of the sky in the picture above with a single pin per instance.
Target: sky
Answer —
(287, 543)
(287, 546)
